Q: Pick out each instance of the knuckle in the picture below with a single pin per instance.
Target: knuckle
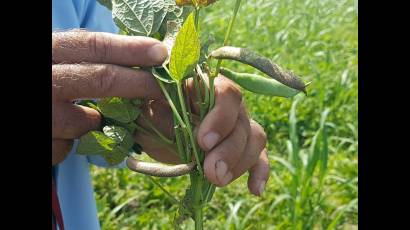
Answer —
(91, 42)
(105, 79)
(245, 122)
(100, 47)
(228, 89)
(259, 134)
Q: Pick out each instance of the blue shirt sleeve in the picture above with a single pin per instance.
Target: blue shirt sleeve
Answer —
(98, 18)
(73, 179)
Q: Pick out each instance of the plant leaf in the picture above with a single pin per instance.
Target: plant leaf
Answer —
(120, 109)
(161, 75)
(115, 156)
(134, 16)
(95, 143)
(120, 135)
(106, 3)
(160, 8)
(169, 39)
(124, 142)
(185, 53)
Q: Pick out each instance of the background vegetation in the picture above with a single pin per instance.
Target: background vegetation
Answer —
(317, 39)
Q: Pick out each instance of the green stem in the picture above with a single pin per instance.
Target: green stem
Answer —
(164, 190)
(211, 92)
(156, 131)
(198, 215)
(155, 138)
(205, 103)
(218, 65)
(228, 32)
(180, 146)
(188, 127)
(171, 104)
(197, 18)
(198, 91)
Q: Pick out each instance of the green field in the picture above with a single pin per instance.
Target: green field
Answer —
(317, 39)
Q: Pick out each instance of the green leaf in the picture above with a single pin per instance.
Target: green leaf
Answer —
(134, 16)
(205, 46)
(160, 8)
(120, 135)
(144, 17)
(136, 102)
(186, 50)
(173, 28)
(106, 3)
(115, 156)
(161, 75)
(120, 109)
(124, 143)
(95, 143)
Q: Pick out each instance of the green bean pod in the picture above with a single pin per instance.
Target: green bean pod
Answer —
(260, 85)
(261, 63)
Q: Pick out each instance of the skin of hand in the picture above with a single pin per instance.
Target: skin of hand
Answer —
(90, 65)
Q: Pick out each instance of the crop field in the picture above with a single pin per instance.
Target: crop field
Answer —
(314, 170)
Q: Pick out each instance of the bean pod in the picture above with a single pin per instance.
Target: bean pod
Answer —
(260, 85)
(157, 169)
(261, 63)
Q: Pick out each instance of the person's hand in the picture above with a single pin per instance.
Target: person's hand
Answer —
(93, 65)
(234, 143)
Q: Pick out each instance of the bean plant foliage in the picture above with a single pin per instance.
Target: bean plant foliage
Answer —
(176, 24)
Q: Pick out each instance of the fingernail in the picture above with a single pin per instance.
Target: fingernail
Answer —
(221, 169)
(158, 53)
(210, 140)
(261, 187)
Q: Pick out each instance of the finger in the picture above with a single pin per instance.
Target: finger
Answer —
(222, 159)
(96, 47)
(221, 120)
(71, 121)
(256, 143)
(259, 175)
(60, 150)
(74, 81)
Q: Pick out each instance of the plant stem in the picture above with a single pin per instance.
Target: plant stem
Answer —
(178, 139)
(164, 190)
(218, 65)
(198, 216)
(228, 32)
(197, 18)
(156, 131)
(205, 104)
(171, 104)
(157, 139)
(188, 128)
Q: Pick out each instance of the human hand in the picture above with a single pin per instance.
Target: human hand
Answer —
(88, 65)
(234, 144)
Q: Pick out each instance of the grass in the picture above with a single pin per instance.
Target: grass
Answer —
(317, 39)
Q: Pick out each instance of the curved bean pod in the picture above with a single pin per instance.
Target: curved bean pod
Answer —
(157, 169)
(260, 85)
(261, 63)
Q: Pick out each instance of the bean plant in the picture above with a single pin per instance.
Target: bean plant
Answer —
(176, 23)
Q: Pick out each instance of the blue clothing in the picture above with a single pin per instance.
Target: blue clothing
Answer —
(73, 180)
